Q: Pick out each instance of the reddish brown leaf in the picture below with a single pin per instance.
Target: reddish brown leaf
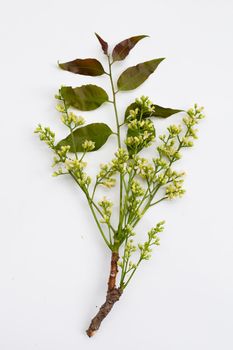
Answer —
(87, 66)
(122, 49)
(103, 44)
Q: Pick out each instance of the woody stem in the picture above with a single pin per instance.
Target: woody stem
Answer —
(113, 295)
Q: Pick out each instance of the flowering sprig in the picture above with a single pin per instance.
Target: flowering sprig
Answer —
(129, 267)
(46, 135)
(106, 206)
(142, 181)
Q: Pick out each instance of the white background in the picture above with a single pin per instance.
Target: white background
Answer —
(53, 262)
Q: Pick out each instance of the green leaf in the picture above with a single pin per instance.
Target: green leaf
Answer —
(85, 97)
(131, 149)
(159, 112)
(87, 66)
(134, 76)
(122, 49)
(103, 44)
(163, 112)
(96, 132)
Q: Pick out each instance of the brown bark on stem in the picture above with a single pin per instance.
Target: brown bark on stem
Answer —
(113, 295)
(113, 271)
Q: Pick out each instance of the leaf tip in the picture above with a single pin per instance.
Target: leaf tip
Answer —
(160, 59)
(103, 43)
(60, 65)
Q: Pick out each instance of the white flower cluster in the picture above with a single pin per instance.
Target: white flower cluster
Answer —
(153, 239)
(117, 164)
(169, 176)
(61, 158)
(144, 124)
(169, 152)
(76, 167)
(126, 263)
(60, 107)
(58, 172)
(133, 207)
(143, 133)
(88, 145)
(128, 266)
(194, 115)
(71, 120)
(62, 152)
(105, 176)
(106, 206)
(142, 167)
(144, 105)
(130, 248)
(128, 231)
(46, 135)
(137, 189)
(168, 149)
(175, 189)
